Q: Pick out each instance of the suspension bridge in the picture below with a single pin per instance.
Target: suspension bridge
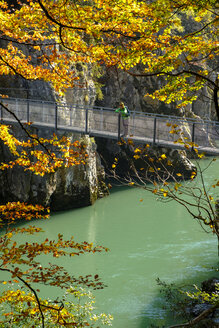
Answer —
(154, 129)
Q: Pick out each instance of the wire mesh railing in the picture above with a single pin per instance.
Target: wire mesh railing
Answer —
(101, 121)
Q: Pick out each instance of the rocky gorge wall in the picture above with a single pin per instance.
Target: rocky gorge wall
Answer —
(67, 188)
(127, 164)
(120, 86)
(72, 187)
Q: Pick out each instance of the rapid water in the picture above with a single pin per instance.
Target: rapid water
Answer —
(147, 240)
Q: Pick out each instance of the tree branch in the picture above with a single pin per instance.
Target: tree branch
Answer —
(201, 29)
(197, 319)
(25, 130)
(174, 74)
(11, 67)
(33, 291)
(50, 17)
(56, 22)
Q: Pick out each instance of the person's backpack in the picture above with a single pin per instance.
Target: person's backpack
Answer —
(127, 111)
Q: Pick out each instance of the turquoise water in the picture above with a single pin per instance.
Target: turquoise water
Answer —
(147, 240)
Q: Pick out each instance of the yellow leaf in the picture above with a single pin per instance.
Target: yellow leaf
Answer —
(136, 156)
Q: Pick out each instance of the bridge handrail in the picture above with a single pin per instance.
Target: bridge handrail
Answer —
(104, 122)
(109, 109)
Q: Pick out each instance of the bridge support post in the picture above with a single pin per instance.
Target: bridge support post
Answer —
(28, 111)
(207, 139)
(119, 126)
(1, 113)
(56, 116)
(155, 131)
(193, 134)
(86, 121)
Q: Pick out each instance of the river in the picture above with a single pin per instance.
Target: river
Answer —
(147, 240)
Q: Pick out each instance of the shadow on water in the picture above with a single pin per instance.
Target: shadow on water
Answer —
(159, 314)
(118, 188)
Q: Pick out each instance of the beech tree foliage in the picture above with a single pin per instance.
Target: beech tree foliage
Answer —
(21, 304)
(143, 38)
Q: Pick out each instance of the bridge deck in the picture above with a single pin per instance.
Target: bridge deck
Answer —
(159, 130)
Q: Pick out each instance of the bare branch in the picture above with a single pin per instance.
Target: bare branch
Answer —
(26, 131)
(174, 74)
(196, 320)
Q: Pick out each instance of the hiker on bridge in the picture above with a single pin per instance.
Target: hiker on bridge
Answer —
(123, 110)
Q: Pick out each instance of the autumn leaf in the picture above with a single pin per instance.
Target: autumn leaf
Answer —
(136, 156)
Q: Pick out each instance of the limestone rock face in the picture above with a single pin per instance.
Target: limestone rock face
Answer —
(81, 185)
(109, 149)
(120, 86)
(67, 188)
(83, 93)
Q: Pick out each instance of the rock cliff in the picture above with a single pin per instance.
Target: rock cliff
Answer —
(110, 149)
(69, 187)
(120, 86)
(72, 187)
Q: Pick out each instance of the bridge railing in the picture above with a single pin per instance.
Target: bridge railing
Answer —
(99, 121)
